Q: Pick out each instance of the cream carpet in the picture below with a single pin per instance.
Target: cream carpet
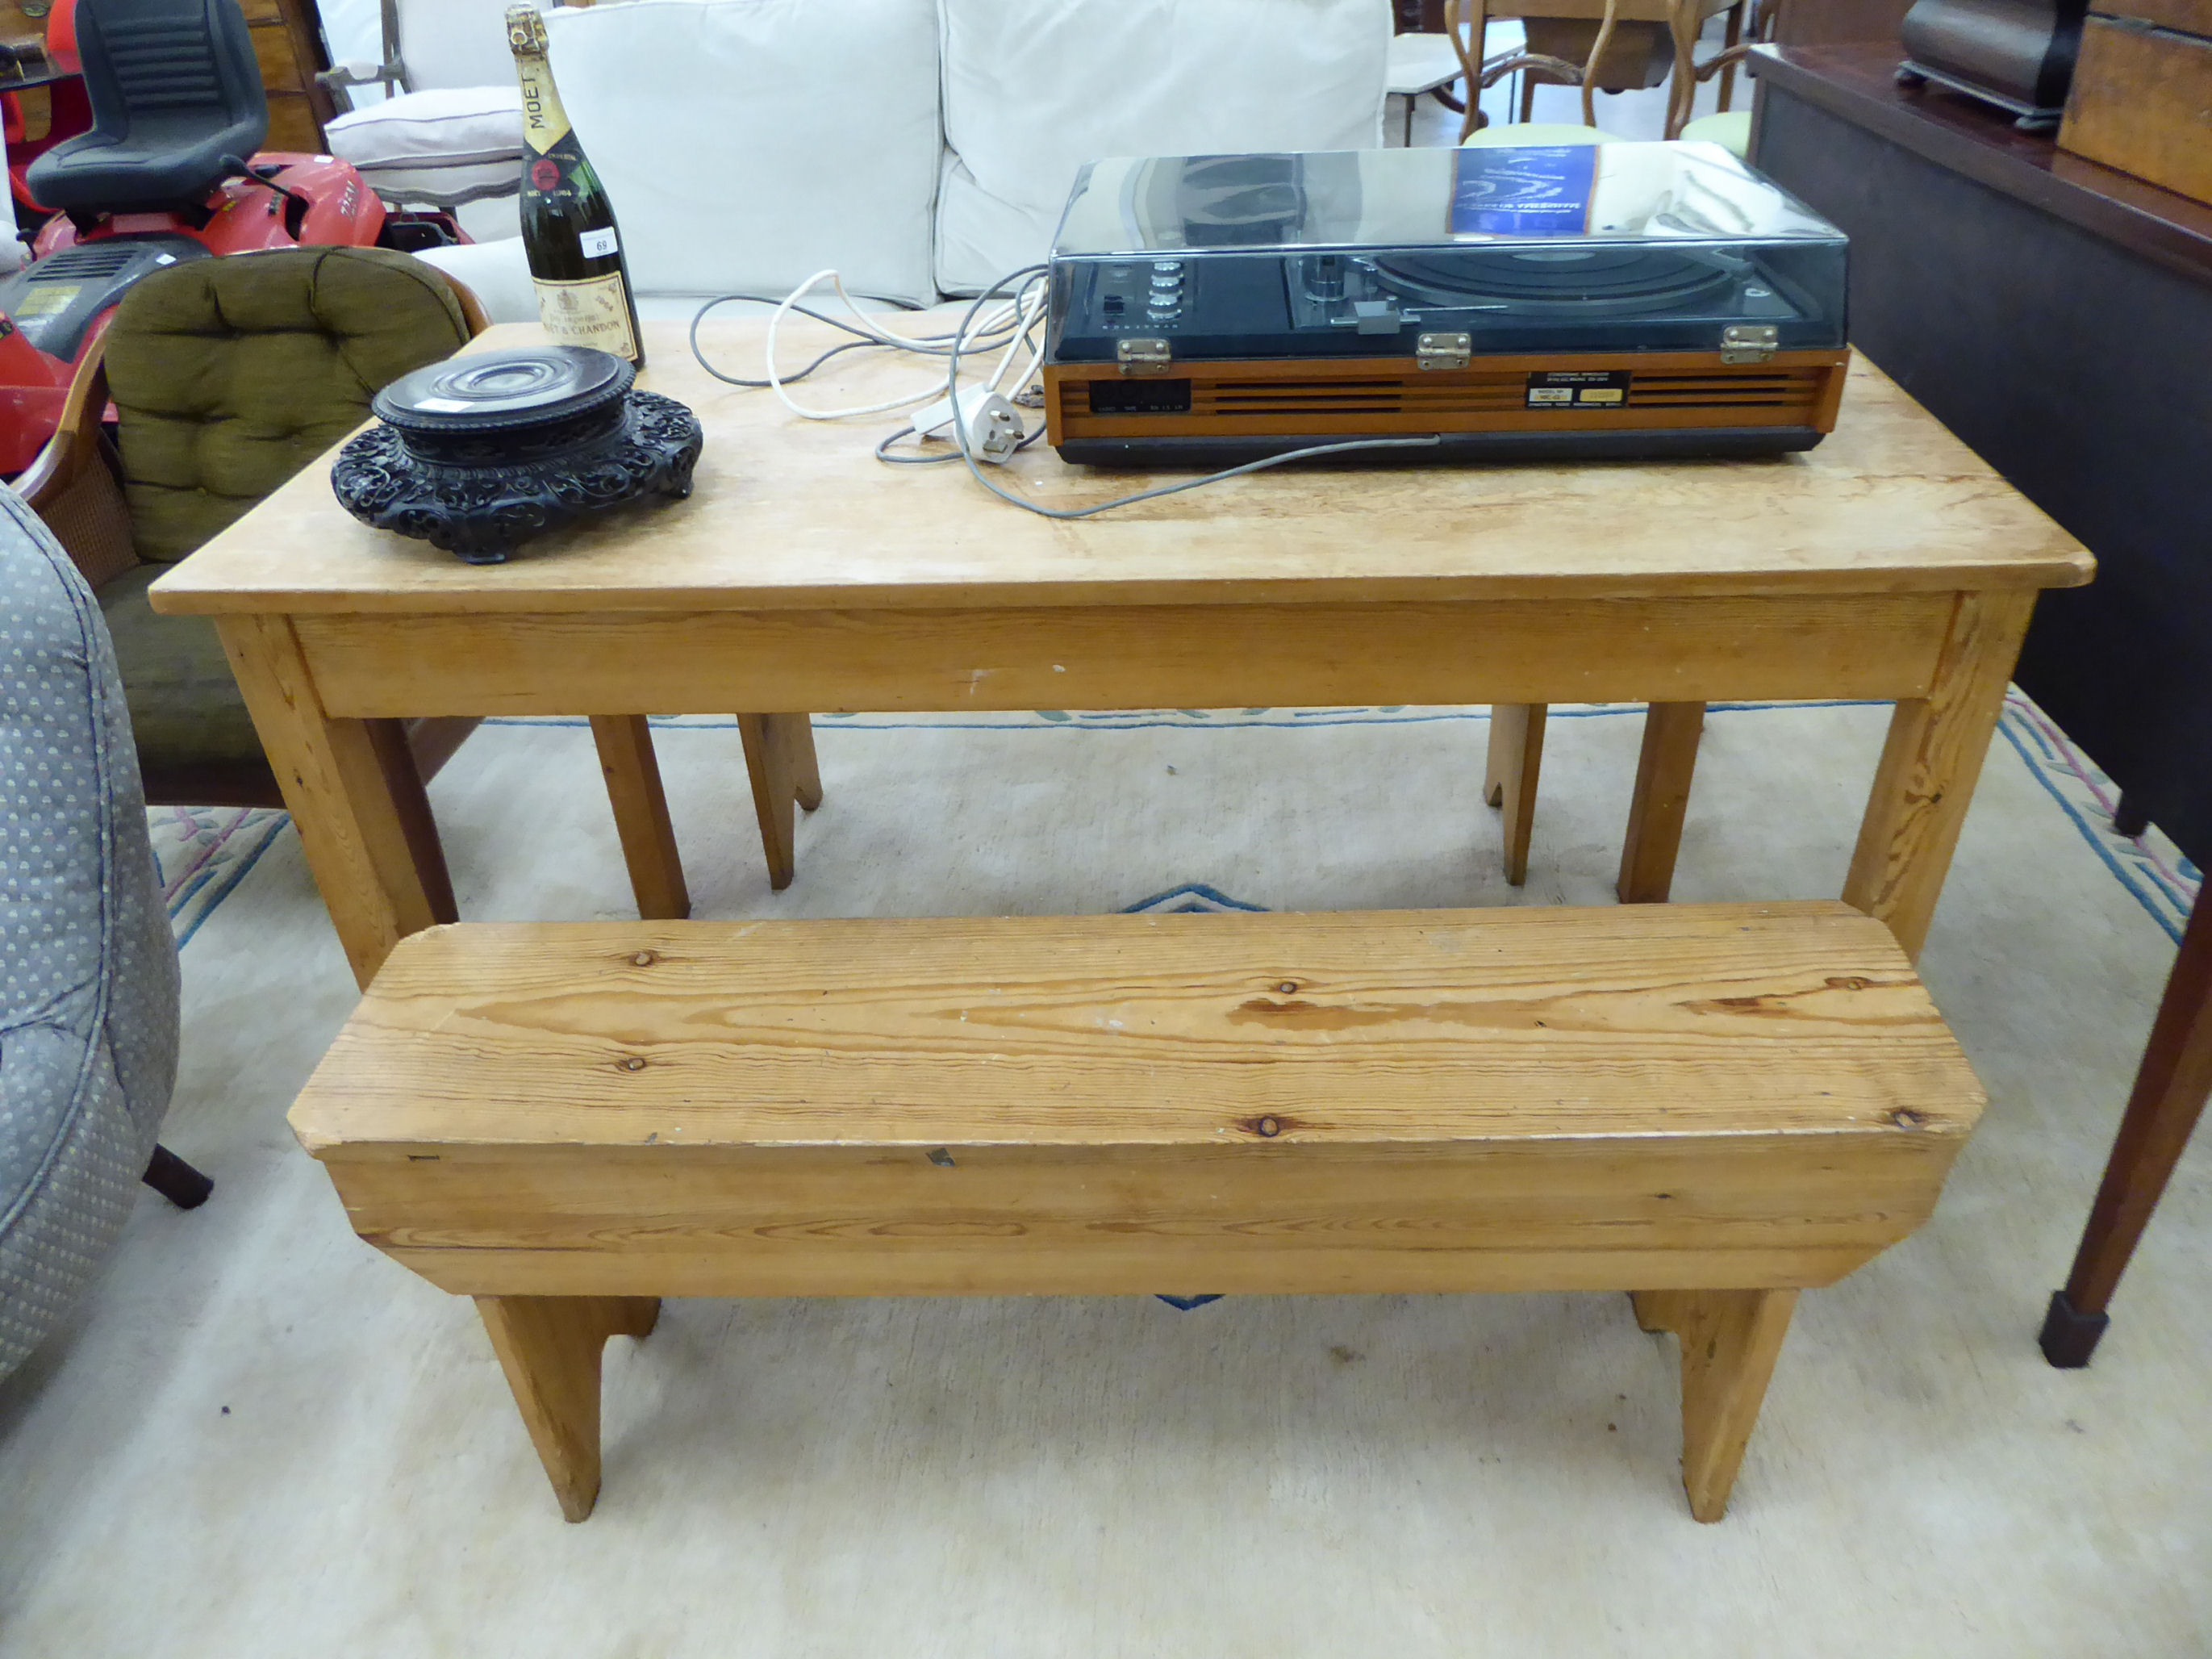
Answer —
(261, 1438)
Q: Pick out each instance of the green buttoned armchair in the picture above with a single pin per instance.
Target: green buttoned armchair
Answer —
(229, 375)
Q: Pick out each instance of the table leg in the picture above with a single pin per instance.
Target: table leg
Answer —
(344, 798)
(2169, 1095)
(779, 757)
(1669, 760)
(806, 766)
(1517, 756)
(642, 821)
(1929, 767)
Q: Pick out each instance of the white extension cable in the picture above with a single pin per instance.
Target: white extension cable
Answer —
(1019, 315)
(980, 419)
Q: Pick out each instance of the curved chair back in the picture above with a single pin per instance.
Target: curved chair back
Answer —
(229, 375)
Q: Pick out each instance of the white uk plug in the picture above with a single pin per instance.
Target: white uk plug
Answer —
(993, 428)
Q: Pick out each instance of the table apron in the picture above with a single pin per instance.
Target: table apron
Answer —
(1676, 650)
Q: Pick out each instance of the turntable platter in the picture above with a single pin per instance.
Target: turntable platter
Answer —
(1591, 280)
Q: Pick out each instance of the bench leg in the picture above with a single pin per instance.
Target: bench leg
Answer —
(1516, 756)
(1671, 731)
(780, 758)
(1729, 1341)
(548, 1346)
(641, 822)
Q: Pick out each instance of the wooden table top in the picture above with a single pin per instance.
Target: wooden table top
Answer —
(790, 513)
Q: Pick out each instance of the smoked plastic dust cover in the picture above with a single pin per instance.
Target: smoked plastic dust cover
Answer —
(1358, 253)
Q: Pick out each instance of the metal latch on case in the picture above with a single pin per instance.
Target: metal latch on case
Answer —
(1444, 350)
(1145, 357)
(1749, 343)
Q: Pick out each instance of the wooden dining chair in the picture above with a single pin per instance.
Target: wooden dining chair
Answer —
(1620, 45)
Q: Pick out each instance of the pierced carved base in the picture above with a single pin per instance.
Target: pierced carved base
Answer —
(482, 513)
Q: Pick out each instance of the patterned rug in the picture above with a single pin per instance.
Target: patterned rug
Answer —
(205, 852)
(264, 1438)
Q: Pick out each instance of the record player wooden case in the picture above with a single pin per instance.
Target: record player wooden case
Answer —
(1648, 300)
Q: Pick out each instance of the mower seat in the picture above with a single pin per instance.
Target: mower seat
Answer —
(175, 89)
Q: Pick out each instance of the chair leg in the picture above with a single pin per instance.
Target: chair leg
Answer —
(1662, 801)
(641, 822)
(780, 760)
(176, 1180)
(2130, 818)
(1734, 37)
(2163, 1108)
(1730, 1342)
(548, 1346)
(1517, 756)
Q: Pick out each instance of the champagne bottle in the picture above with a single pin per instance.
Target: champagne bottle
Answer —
(569, 230)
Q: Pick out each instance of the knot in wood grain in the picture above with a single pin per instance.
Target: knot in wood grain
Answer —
(1266, 1128)
(632, 1063)
(645, 959)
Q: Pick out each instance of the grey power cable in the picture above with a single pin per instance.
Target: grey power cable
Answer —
(960, 435)
(935, 346)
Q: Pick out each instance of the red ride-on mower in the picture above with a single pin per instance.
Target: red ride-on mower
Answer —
(177, 106)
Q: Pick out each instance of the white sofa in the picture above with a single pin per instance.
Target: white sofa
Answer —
(922, 147)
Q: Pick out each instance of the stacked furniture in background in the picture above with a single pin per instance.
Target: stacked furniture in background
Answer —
(88, 972)
(449, 130)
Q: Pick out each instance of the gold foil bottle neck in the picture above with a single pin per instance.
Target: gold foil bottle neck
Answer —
(526, 31)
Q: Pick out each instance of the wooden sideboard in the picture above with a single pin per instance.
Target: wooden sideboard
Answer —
(2057, 316)
(288, 40)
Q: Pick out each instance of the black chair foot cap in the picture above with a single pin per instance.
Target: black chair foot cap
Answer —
(176, 1180)
(2070, 1338)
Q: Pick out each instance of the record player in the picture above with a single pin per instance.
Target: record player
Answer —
(1544, 302)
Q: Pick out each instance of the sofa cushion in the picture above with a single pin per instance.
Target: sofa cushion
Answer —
(232, 374)
(746, 144)
(1033, 90)
(447, 146)
(88, 972)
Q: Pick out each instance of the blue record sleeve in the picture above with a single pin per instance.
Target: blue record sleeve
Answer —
(1533, 191)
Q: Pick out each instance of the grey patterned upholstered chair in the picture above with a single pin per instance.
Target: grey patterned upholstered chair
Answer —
(87, 969)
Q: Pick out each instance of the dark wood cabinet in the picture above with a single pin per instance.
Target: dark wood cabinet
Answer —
(2057, 315)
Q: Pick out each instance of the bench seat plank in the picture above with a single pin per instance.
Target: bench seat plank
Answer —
(1683, 1097)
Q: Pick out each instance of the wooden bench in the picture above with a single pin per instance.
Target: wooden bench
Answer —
(1711, 1106)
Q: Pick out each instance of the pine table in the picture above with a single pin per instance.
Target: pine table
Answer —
(1889, 562)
